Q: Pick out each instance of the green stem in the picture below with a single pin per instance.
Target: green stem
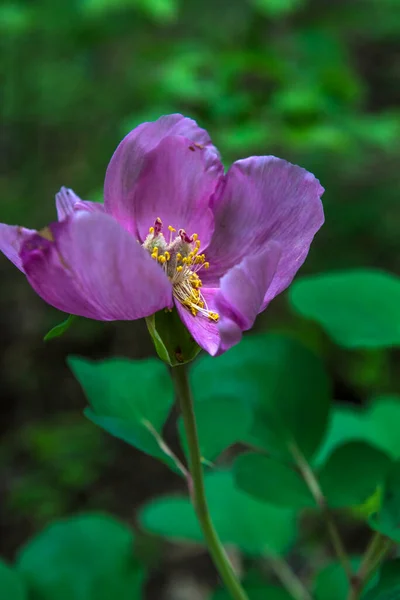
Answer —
(315, 489)
(288, 579)
(373, 557)
(197, 489)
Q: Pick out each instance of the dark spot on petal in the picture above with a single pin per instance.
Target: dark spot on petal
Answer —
(192, 148)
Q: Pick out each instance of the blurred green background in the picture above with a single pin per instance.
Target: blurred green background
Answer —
(312, 81)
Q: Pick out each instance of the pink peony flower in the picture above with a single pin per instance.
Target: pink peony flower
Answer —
(175, 230)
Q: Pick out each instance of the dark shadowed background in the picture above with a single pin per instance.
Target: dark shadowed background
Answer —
(310, 81)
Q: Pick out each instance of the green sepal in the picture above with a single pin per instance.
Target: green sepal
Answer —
(172, 340)
(60, 329)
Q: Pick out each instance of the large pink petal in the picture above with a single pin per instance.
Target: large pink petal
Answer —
(11, 239)
(127, 161)
(67, 202)
(265, 199)
(238, 301)
(90, 266)
(176, 184)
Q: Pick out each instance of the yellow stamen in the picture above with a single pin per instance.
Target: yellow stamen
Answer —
(171, 229)
(167, 255)
(194, 237)
(151, 229)
(179, 269)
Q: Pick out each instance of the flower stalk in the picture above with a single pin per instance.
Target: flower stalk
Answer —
(197, 489)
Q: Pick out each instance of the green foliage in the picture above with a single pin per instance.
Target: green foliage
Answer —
(11, 583)
(388, 586)
(352, 473)
(349, 476)
(387, 521)
(221, 422)
(89, 557)
(256, 528)
(60, 329)
(131, 400)
(271, 373)
(257, 592)
(359, 308)
(378, 425)
(268, 480)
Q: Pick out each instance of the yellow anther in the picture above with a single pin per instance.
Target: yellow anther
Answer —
(206, 265)
(162, 259)
(178, 257)
(167, 255)
(151, 229)
(179, 269)
(194, 237)
(171, 229)
(213, 316)
(198, 244)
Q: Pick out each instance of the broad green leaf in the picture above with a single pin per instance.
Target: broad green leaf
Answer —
(129, 399)
(269, 480)
(378, 424)
(221, 422)
(283, 383)
(358, 308)
(352, 473)
(387, 520)
(331, 581)
(60, 329)
(388, 586)
(257, 592)
(12, 585)
(255, 527)
(88, 557)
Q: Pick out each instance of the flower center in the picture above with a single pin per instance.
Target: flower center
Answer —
(181, 261)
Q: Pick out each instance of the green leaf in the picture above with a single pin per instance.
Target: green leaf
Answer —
(88, 557)
(12, 586)
(255, 527)
(283, 383)
(352, 473)
(378, 424)
(60, 329)
(358, 308)
(387, 520)
(268, 480)
(331, 583)
(257, 592)
(388, 586)
(221, 422)
(129, 399)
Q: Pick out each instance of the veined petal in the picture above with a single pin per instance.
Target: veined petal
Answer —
(127, 161)
(90, 266)
(11, 239)
(265, 199)
(67, 202)
(176, 184)
(238, 301)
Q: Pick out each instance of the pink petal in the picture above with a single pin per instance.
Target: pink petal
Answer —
(242, 291)
(265, 199)
(90, 266)
(67, 202)
(176, 184)
(11, 239)
(126, 163)
(238, 302)
(203, 331)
